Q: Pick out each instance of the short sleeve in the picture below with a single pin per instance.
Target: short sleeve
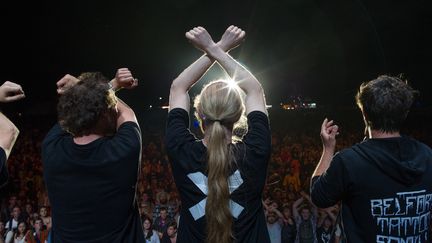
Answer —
(3, 168)
(129, 133)
(177, 132)
(127, 138)
(258, 137)
(329, 188)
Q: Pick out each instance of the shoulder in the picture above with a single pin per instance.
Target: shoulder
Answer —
(423, 146)
(178, 137)
(130, 126)
(258, 117)
(128, 133)
(258, 136)
(348, 154)
(178, 116)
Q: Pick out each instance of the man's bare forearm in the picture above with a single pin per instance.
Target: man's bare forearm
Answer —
(8, 134)
(324, 163)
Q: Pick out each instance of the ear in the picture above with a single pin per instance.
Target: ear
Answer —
(202, 125)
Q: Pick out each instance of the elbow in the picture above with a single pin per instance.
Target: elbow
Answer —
(13, 132)
(16, 132)
(9, 136)
(321, 200)
(174, 86)
(259, 88)
(255, 85)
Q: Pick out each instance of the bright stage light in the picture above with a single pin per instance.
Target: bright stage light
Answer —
(231, 83)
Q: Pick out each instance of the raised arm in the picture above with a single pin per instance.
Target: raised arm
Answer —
(328, 137)
(295, 206)
(125, 113)
(9, 92)
(124, 79)
(246, 81)
(308, 198)
(66, 83)
(331, 214)
(279, 214)
(179, 96)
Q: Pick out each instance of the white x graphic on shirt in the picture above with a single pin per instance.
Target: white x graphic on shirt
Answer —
(200, 180)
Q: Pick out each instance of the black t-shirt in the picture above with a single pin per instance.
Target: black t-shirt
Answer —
(188, 159)
(91, 187)
(385, 186)
(323, 235)
(289, 233)
(3, 168)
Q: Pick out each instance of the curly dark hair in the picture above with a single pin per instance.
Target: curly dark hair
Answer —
(88, 107)
(385, 102)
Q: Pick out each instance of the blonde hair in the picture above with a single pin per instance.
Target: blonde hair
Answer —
(218, 107)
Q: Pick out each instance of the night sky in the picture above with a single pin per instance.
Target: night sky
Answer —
(315, 48)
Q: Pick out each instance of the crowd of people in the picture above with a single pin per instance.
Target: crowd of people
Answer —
(253, 191)
(25, 206)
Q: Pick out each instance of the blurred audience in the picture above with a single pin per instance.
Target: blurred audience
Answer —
(290, 215)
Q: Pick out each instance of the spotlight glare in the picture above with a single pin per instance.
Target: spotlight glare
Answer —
(231, 83)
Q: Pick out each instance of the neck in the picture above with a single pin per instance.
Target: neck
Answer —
(381, 134)
(86, 139)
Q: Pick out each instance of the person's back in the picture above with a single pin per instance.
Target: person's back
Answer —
(247, 179)
(220, 182)
(384, 182)
(92, 186)
(390, 190)
(91, 179)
